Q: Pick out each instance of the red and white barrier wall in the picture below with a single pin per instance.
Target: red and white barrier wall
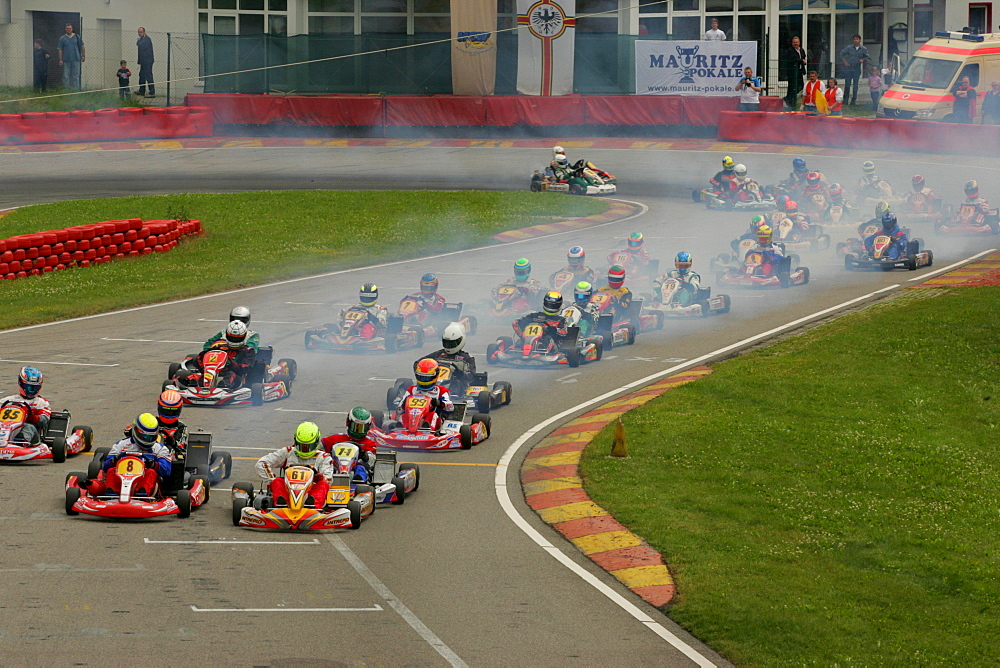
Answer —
(874, 134)
(86, 245)
(105, 125)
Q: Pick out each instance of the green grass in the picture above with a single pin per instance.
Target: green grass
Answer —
(258, 237)
(831, 499)
(85, 100)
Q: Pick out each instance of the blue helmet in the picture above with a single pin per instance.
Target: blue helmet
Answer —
(30, 382)
(683, 263)
(889, 222)
(576, 257)
(429, 284)
(799, 165)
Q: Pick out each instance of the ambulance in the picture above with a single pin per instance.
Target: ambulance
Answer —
(923, 88)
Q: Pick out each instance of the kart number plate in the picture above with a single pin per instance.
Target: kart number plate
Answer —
(351, 316)
(881, 245)
(506, 291)
(129, 466)
(444, 372)
(416, 402)
(533, 330)
(409, 306)
(215, 357)
(346, 451)
(297, 475)
(621, 258)
(12, 414)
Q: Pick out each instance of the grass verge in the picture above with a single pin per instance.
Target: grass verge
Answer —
(85, 100)
(254, 238)
(831, 499)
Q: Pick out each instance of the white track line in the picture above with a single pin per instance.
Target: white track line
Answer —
(446, 652)
(314, 541)
(54, 363)
(642, 210)
(951, 266)
(376, 608)
(302, 410)
(105, 338)
(258, 322)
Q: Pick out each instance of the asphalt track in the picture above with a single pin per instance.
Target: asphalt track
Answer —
(445, 578)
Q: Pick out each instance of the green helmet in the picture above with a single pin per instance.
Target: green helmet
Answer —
(522, 269)
(359, 421)
(307, 440)
(881, 209)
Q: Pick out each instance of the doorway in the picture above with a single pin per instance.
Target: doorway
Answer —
(49, 27)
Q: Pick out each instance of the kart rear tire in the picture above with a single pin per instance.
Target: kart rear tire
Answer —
(485, 419)
(244, 487)
(307, 341)
(293, 367)
(173, 369)
(573, 358)
(805, 275)
(166, 385)
(204, 481)
(631, 335)
(575, 189)
(536, 186)
(257, 394)
(465, 436)
(491, 350)
(484, 401)
(930, 258)
(72, 496)
(599, 351)
(416, 477)
(378, 418)
(88, 436)
(58, 449)
(507, 341)
(400, 491)
(238, 506)
(506, 389)
(227, 464)
(354, 507)
(183, 503)
(849, 262)
(473, 325)
(727, 304)
(390, 398)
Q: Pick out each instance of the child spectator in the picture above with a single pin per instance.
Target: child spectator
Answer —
(875, 86)
(123, 76)
(40, 59)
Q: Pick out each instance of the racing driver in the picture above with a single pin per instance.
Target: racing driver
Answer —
(426, 374)
(305, 451)
(452, 344)
(428, 296)
(241, 357)
(576, 260)
(173, 432)
(522, 280)
(359, 423)
(720, 182)
(378, 315)
(241, 313)
(621, 297)
(29, 384)
(142, 439)
(689, 280)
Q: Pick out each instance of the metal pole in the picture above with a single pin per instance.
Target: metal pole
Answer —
(168, 69)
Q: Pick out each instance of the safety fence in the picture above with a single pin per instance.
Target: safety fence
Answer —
(85, 245)
(873, 134)
(467, 110)
(105, 125)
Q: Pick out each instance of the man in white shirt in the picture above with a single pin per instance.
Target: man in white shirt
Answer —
(749, 88)
(715, 34)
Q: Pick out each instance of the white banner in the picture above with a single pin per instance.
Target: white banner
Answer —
(692, 68)
(545, 45)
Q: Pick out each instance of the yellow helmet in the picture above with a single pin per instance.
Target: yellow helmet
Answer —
(727, 163)
(307, 440)
(764, 235)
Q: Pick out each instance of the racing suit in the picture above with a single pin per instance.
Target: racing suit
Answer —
(378, 319)
(621, 299)
(175, 437)
(272, 467)
(438, 394)
(579, 274)
(809, 194)
(158, 465)
(690, 283)
(773, 254)
(464, 362)
(870, 186)
(896, 234)
(981, 206)
(37, 416)
(432, 303)
(721, 181)
(587, 321)
(367, 447)
(800, 222)
(252, 340)
(561, 172)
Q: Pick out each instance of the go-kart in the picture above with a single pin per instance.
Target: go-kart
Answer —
(359, 333)
(414, 314)
(344, 509)
(916, 209)
(564, 281)
(679, 300)
(131, 501)
(477, 395)
(840, 215)
(509, 301)
(856, 245)
(969, 222)
(871, 194)
(201, 387)
(621, 327)
(409, 428)
(55, 443)
(585, 179)
(765, 270)
(887, 254)
(748, 198)
(391, 481)
(193, 457)
(539, 347)
(634, 269)
(791, 186)
(794, 238)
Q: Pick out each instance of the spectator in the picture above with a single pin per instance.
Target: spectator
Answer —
(834, 98)
(40, 58)
(854, 57)
(812, 86)
(145, 60)
(714, 34)
(875, 86)
(965, 102)
(795, 70)
(749, 88)
(72, 53)
(123, 76)
(991, 105)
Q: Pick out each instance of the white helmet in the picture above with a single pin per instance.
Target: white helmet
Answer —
(236, 334)
(453, 338)
(241, 313)
(557, 151)
(741, 170)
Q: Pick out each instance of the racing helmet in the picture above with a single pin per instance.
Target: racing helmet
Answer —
(889, 222)
(635, 242)
(522, 269)
(836, 190)
(764, 235)
(557, 151)
(972, 188)
(582, 294)
(728, 164)
(881, 209)
(780, 202)
(616, 276)
(145, 431)
(29, 382)
(168, 407)
(306, 440)
(552, 302)
(799, 165)
(359, 421)
(453, 338)
(560, 159)
(756, 222)
(682, 263)
(868, 167)
(368, 296)
(812, 178)
(236, 334)
(918, 183)
(241, 313)
(740, 170)
(791, 206)
(429, 284)
(426, 373)
(576, 257)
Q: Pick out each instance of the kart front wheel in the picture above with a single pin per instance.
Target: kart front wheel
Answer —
(400, 491)
(87, 434)
(257, 394)
(183, 503)
(173, 369)
(238, 506)
(491, 350)
(292, 366)
(166, 385)
(483, 401)
(58, 449)
(378, 418)
(573, 358)
(416, 474)
(465, 436)
(506, 391)
(354, 507)
(72, 496)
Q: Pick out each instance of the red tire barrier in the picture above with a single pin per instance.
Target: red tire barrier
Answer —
(105, 125)
(87, 245)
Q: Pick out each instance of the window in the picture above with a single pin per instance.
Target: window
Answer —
(923, 25)
(930, 72)
(653, 26)
(873, 27)
(686, 27)
(331, 25)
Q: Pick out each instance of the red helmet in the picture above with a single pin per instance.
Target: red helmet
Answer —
(791, 206)
(168, 408)
(426, 373)
(836, 190)
(972, 188)
(918, 183)
(812, 178)
(616, 276)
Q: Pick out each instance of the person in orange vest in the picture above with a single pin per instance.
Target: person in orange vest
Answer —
(834, 98)
(809, 93)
